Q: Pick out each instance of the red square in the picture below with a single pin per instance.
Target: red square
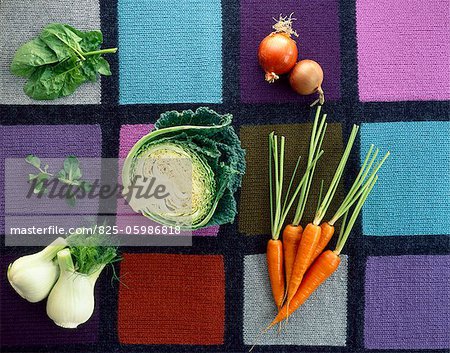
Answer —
(172, 299)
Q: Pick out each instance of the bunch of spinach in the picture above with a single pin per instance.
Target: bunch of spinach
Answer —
(70, 175)
(59, 60)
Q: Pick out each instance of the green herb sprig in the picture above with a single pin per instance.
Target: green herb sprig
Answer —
(69, 175)
(59, 60)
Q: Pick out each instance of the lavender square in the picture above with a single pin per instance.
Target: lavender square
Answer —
(46, 141)
(407, 302)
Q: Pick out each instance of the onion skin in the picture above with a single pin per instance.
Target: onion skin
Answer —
(277, 54)
(306, 78)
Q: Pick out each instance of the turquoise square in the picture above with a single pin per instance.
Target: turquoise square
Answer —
(412, 196)
(170, 51)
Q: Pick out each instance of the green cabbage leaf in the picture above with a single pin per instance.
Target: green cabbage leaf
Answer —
(210, 145)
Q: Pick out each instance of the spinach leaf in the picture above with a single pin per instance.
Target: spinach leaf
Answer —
(51, 82)
(62, 40)
(59, 60)
(91, 41)
(31, 55)
(89, 68)
(95, 65)
(103, 67)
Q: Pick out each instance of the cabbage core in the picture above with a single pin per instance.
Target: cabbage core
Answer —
(188, 181)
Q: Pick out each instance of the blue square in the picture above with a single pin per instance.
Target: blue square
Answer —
(170, 51)
(412, 196)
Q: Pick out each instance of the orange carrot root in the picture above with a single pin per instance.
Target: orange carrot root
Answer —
(325, 265)
(291, 239)
(326, 234)
(275, 267)
(308, 244)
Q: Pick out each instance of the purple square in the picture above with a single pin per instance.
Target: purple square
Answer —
(25, 324)
(49, 141)
(318, 27)
(126, 217)
(407, 302)
(403, 50)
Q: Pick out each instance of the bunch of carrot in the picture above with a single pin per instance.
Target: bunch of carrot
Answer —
(297, 263)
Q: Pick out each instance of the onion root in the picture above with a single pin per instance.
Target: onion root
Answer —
(284, 25)
(271, 77)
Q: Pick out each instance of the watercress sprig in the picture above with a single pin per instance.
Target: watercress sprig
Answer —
(69, 175)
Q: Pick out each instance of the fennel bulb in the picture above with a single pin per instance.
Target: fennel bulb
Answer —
(33, 276)
(71, 301)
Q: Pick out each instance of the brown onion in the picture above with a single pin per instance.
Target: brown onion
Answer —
(306, 78)
(277, 53)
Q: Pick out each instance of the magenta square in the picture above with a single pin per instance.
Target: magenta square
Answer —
(318, 27)
(129, 135)
(407, 302)
(27, 324)
(403, 50)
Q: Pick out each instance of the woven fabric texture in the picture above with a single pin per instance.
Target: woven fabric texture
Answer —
(254, 194)
(385, 68)
(321, 321)
(318, 40)
(181, 60)
(403, 50)
(172, 299)
(47, 141)
(20, 22)
(407, 302)
(414, 185)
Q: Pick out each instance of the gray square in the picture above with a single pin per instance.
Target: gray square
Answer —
(22, 20)
(321, 321)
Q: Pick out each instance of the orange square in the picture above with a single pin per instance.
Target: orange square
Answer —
(172, 299)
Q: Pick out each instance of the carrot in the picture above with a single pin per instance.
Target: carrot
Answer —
(274, 245)
(311, 234)
(326, 233)
(357, 188)
(323, 268)
(278, 213)
(291, 238)
(308, 243)
(276, 270)
(292, 233)
(325, 265)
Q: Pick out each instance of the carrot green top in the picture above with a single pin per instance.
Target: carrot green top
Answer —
(346, 228)
(278, 208)
(359, 192)
(322, 210)
(361, 181)
(315, 145)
